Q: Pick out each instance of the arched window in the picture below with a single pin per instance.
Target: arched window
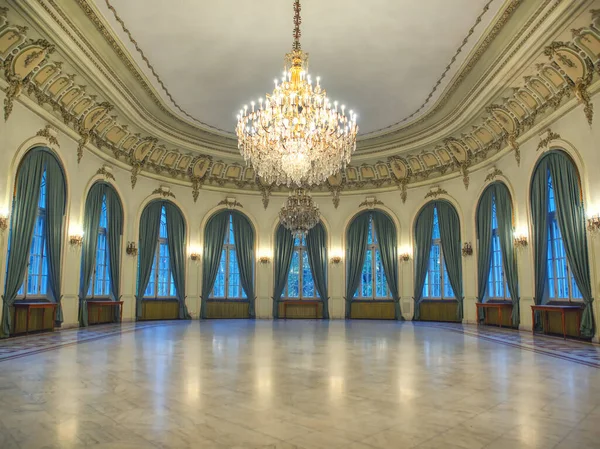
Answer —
(497, 286)
(373, 283)
(561, 283)
(35, 283)
(300, 282)
(437, 284)
(161, 283)
(100, 285)
(228, 284)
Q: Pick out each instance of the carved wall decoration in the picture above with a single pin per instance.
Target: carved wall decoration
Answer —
(163, 191)
(550, 136)
(230, 203)
(49, 133)
(435, 192)
(105, 171)
(371, 202)
(28, 69)
(493, 174)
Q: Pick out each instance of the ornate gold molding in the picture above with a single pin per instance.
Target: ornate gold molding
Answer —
(493, 174)
(164, 192)
(103, 171)
(550, 136)
(435, 192)
(230, 203)
(49, 133)
(371, 202)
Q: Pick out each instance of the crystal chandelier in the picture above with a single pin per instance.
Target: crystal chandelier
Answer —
(299, 214)
(296, 136)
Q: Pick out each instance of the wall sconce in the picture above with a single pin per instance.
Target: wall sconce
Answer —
(75, 240)
(405, 253)
(195, 257)
(131, 249)
(520, 241)
(335, 259)
(593, 224)
(404, 257)
(264, 260)
(467, 249)
(3, 220)
(264, 256)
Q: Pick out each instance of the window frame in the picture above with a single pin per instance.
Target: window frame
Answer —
(102, 233)
(40, 216)
(555, 235)
(156, 275)
(228, 247)
(437, 242)
(492, 281)
(373, 250)
(300, 249)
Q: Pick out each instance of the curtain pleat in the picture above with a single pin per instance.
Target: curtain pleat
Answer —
(316, 247)
(282, 260)
(570, 215)
(55, 213)
(504, 215)
(243, 235)
(539, 218)
(214, 238)
(388, 248)
(149, 232)
(484, 242)
(23, 216)
(114, 236)
(91, 223)
(423, 236)
(176, 240)
(450, 239)
(356, 250)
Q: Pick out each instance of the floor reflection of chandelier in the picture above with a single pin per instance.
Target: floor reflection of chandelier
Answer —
(296, 136)
(299, 213)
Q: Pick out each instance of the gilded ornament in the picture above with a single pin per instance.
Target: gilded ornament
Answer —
(48, 133)
(230, 203)
(104, 172)
(546, 140)
(164, 192)
(493, 174)
(435, 192)
(370, 203)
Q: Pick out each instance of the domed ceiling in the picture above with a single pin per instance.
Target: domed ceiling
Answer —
(389, 60)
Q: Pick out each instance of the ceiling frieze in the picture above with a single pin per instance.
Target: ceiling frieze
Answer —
(30, 68)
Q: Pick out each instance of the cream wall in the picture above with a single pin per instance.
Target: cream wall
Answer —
(19, 134)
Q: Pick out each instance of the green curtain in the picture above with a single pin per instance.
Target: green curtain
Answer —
(176, 240)
(504, 215)
(484, 242)
(91, 223)
(388, 248)
(149, 231)
(570, 215)
(539, 219)
(55, 214)
(282, 260)
(450, 240)
(356, 250)
(114, 236)
(243, 235)
(316, 247)
(23, 216)
(423, 236)
(214, 237)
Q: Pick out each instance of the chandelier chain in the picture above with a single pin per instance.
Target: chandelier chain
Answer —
(297, 22)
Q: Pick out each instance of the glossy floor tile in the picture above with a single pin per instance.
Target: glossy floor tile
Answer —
(298, 384)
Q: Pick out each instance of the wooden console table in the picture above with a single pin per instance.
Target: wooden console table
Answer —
(500, 306)
(101, 304)
(562, 309)
(28, 306)
(301, 303)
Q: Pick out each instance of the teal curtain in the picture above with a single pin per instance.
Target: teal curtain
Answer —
(214, 237)
(504, 215)
(484, 242)
(570, 215)
(55, 214)
(282, 260)
(356, 250)
(23, 216)
(114, 236)
(149, 231)
(539, 219)
(176, 240)
(91, 223)
(423, 236)
(316, 247)
(243, 235)
(388, 248)
(450, 240)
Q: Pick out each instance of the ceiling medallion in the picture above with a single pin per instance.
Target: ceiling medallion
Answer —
(296, 136)
(299, 214)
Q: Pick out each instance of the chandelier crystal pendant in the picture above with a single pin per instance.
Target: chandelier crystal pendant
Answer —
(296, 136)
(299, 214)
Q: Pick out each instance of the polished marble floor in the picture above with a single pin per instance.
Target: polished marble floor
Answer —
(298, 384)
